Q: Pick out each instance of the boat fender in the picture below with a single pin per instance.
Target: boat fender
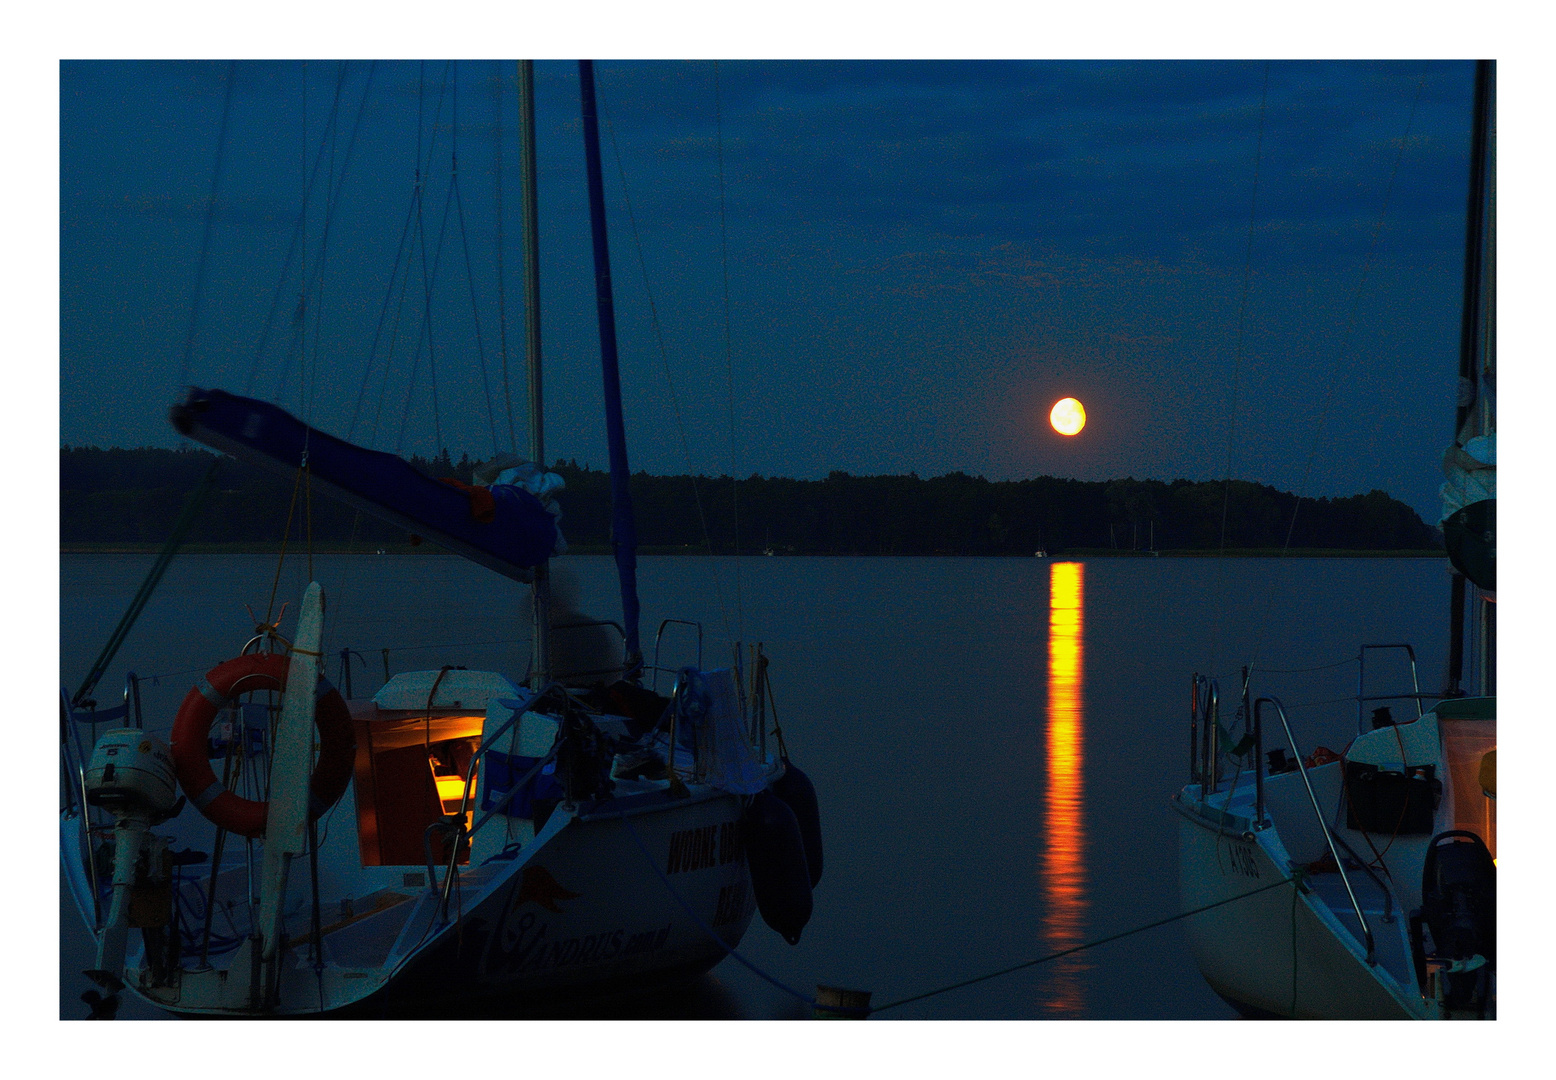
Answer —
(799, 795)
(775, 853)
(192, 727)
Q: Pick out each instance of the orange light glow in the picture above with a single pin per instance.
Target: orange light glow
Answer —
(1067, 416)
(1064, 859)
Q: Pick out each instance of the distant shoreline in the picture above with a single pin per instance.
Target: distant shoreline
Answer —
(338, 548)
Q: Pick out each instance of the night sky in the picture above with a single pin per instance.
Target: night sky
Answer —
(921, 258)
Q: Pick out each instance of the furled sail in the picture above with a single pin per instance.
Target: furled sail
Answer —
(1469, 520)
(506, 527)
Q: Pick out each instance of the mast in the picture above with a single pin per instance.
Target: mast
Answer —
(623, 528)
(1473, 414)
(540, 589)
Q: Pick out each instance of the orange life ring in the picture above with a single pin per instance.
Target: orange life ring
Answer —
(192, 729)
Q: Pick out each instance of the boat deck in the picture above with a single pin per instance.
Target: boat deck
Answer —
(1388, 924)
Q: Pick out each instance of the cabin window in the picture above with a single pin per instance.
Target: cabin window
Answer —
(1466, 742)
(410, 773)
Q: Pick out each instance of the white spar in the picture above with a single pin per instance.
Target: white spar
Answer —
(286, 827)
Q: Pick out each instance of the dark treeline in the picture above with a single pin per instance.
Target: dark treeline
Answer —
(113, 495)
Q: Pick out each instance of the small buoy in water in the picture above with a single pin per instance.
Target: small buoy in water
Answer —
(799, 795)
(835, 1003)
(775, 853)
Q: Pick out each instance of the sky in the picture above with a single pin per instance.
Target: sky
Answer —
(943, 252)
(875, 267)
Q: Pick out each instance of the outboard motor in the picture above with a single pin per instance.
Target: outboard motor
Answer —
(775, 854)
(131, 776)
(1459, 908)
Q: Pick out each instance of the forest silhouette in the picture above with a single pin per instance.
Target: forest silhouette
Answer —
(124, 496)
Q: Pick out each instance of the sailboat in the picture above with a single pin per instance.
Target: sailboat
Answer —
(1362, 884)
(509, 840)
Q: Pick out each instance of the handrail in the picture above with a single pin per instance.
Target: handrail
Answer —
(1388, 894)
(1361, 683)
(132, 694)
(525, 704)
(583, 625)
(1194, 684)
(1250, 720)
(660, 633)
(66, 722)
(1323, 823)
(1210, 767)
(345, 670)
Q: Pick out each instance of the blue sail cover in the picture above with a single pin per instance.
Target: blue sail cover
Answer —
(520, 536)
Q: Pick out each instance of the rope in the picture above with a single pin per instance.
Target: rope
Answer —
(454, 645)
(281, 559)
(1079, 948)
(1306, 670)
(181, 527)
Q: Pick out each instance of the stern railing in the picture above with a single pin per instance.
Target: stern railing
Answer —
(1323, 822)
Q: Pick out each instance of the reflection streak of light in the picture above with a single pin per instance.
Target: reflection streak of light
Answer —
(1064, 864)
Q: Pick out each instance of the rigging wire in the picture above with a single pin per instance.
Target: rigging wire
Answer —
(291, 251)
(426, 334)
(383, 312)
(1242, 306)
(331, 192)
(427, 278)
(1361, 286)
(664, 359)
(1237, 361)
(729, 358)
(1344, 351)
(502, 289)
(198, 295)
(196, 500)
(464, 238)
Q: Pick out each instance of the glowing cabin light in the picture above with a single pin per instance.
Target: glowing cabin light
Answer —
(1064, 857)
(1068, 416)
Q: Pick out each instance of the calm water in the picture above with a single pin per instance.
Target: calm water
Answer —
(994, 741)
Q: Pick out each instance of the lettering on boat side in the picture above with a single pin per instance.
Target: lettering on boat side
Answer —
(522, 946)
(1240, 855)
(732, 903)
(710, 845)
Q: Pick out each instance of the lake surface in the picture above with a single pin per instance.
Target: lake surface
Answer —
(994, 741)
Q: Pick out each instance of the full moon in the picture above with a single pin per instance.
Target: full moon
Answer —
(1068, 416)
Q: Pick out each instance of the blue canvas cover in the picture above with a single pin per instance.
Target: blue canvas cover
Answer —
(504, 770)
(519, 536)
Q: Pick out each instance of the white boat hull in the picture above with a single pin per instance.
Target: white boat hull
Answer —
(1280, 952)
(540, 921)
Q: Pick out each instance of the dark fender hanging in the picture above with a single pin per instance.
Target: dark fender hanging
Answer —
(799, 795)
(780, 877)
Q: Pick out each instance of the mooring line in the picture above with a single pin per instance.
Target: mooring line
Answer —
(869, 1010)
(1078, 948)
